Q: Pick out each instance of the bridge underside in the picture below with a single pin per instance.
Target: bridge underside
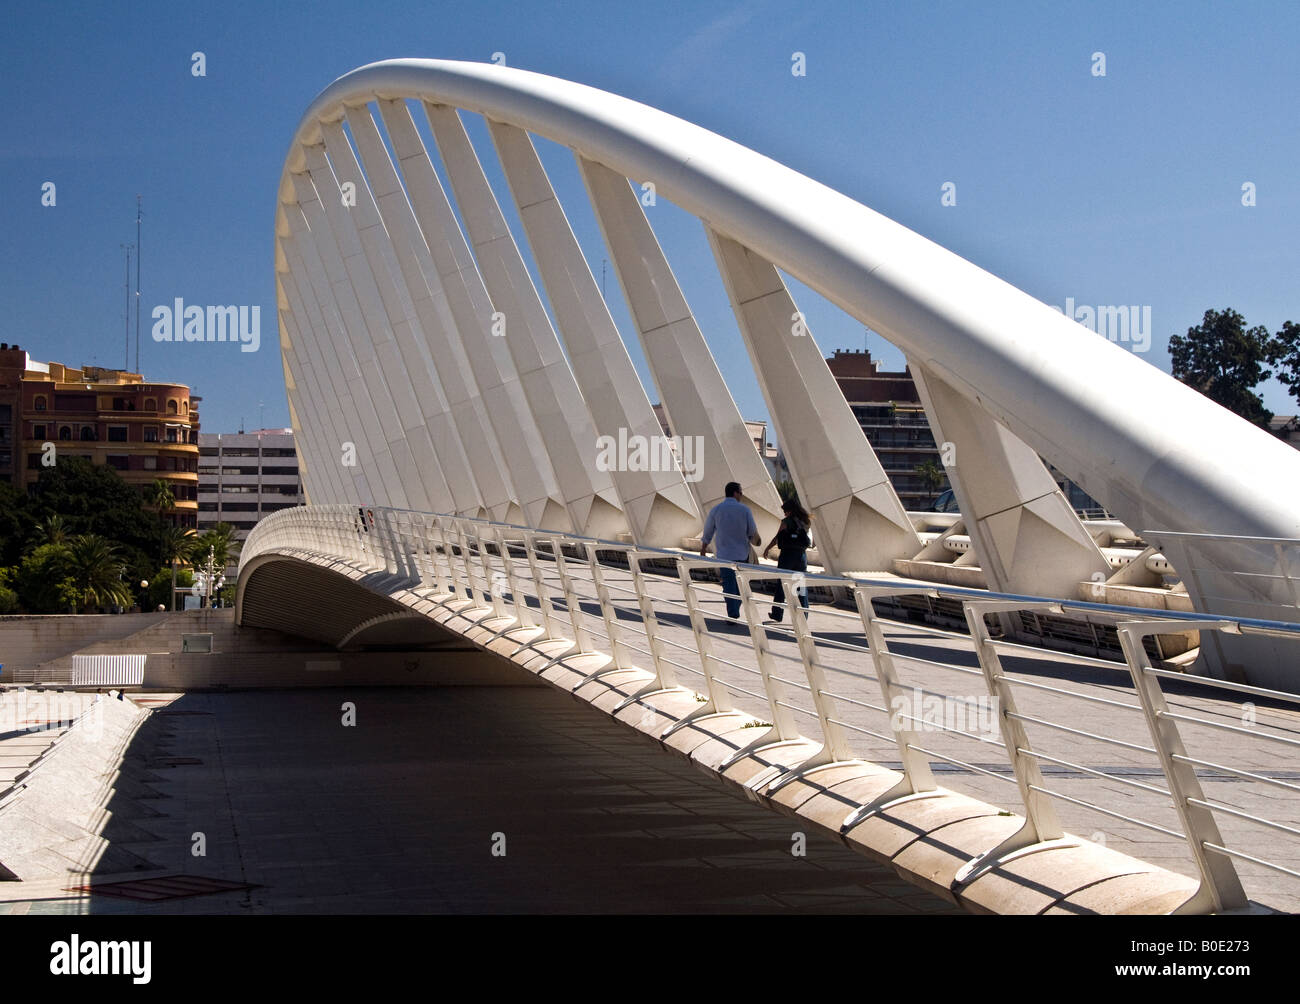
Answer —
(310, 601)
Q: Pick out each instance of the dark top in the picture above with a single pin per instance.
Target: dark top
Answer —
(793, 541)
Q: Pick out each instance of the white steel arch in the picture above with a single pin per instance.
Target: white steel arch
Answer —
(1003, 376)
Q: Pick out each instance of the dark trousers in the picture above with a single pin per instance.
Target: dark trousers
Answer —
(731, 591)
(778, 597)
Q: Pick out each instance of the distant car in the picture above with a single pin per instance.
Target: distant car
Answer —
(947, 502)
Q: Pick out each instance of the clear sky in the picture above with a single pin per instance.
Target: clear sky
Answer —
(1118, 190)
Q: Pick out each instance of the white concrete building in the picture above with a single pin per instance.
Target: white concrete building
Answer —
(244, 476)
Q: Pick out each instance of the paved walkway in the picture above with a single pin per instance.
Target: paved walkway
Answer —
(398, 813)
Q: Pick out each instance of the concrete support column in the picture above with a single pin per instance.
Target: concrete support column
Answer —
(860, 524)
(557, 403)
(658, 504)
(695, 397)
(1025, 535)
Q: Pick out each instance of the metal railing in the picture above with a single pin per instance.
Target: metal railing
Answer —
(851, 685)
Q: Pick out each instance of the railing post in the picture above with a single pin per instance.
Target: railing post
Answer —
(917, 780)
(489, 577)
(610, 616)
(665, 676)
(783, 730)
(523, 616)
(472, 591)
(835, 741)
(1220, 887)
(580, 636)
(1042, 828)
(539, 582)
(717, 697)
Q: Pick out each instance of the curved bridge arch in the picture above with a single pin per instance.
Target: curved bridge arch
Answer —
(387, 310)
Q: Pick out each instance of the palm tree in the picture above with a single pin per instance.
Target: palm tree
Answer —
(932, 476)
(159, 496)
(221, 538)
(96, 572)
(176, 544)
(53, 529)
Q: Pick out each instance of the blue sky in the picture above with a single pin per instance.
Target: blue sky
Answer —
(1117, 190)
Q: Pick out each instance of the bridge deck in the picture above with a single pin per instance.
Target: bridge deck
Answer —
(943, 663)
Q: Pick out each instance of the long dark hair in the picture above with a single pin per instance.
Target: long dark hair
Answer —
(791, 507)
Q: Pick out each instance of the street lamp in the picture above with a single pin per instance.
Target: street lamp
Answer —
(208, 578)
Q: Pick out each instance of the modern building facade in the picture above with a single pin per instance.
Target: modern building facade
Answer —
(145, 431)
(244, 476)
(888, 408)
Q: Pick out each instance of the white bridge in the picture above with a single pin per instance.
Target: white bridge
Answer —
(449, 416)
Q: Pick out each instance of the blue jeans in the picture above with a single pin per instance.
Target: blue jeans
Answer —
(731, 591)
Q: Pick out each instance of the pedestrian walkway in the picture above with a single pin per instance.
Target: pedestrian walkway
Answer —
(402, 811)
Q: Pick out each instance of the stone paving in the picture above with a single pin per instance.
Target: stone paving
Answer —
(31, 721)
(944, 664)
(397, 814)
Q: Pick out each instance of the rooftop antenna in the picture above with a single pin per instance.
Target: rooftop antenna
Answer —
(138, 215)
(261, 415)
(126, 362)
(241, 425)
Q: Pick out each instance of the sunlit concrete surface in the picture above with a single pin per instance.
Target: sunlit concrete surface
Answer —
(395, 816)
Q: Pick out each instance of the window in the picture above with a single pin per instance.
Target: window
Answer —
(171, 407)
(65, 433)
(74, 402)
(33, 461)
(171, 435)
(38, 432)
(150, 463)
(40, 402)
(150, 404)
(150, 434)
(117, 433)
(88, 434)
(185, 407)
(118, 463)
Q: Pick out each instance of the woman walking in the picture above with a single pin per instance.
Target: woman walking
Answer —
(792, 542)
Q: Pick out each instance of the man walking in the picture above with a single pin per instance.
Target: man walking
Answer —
(732, 523)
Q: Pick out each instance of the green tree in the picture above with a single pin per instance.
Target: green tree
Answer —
(8, 595)
(221, 538)
(1285, 355)
(44, 582)
(175, 544)
(93, 499)
(96, 571)
(15, 525)
(53, 529)
(1225, 361)
(161, 585)
(933, 477)
(159, 496)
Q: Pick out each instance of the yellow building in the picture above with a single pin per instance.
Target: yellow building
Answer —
(144, 431)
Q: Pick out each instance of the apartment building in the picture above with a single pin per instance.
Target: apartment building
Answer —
(146, 431)
(244, 476)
